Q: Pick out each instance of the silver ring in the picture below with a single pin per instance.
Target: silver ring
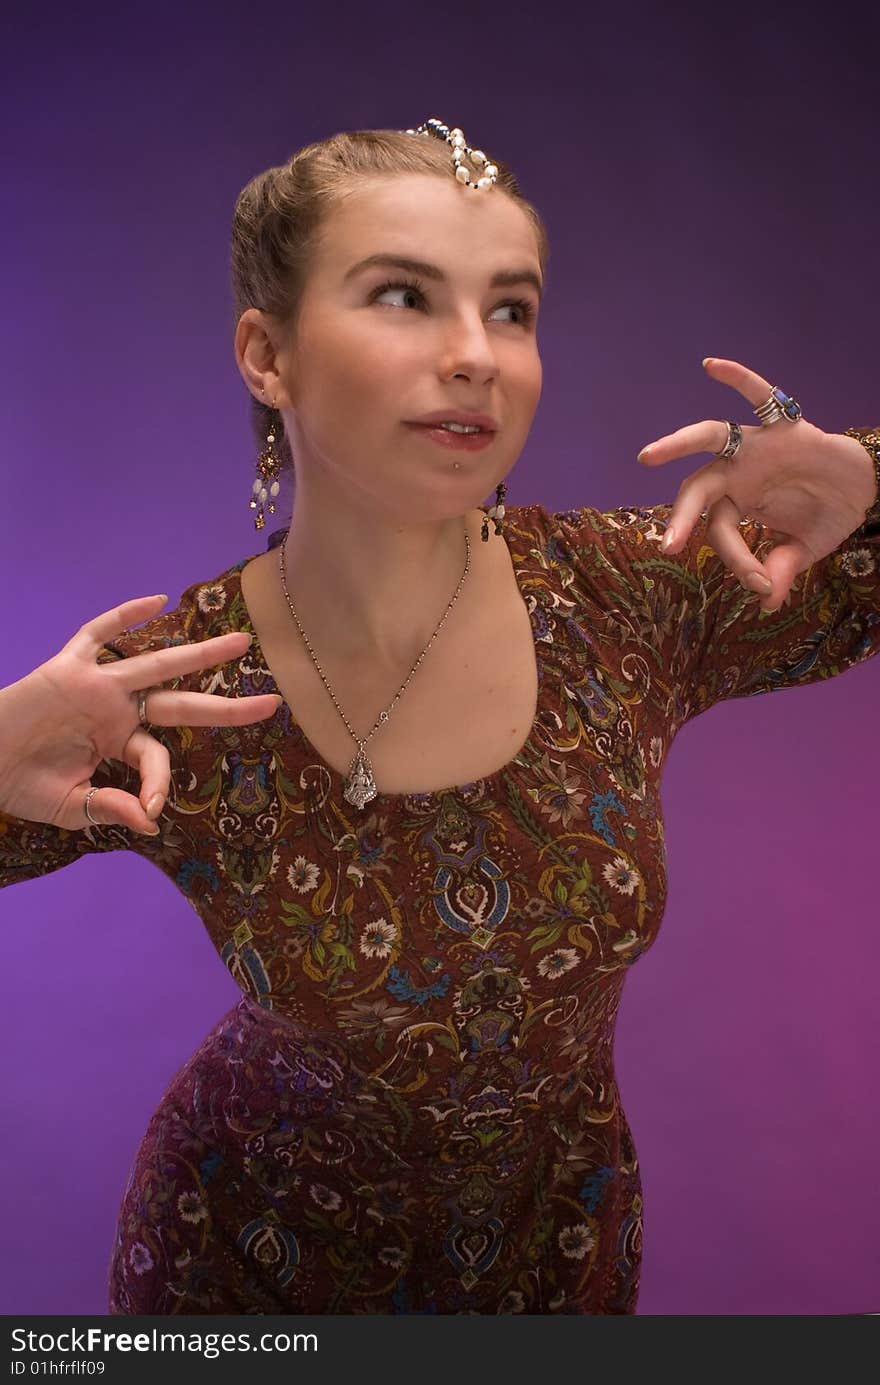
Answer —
(94, 789)
(142, 707)
(734, 440)
(778, 405)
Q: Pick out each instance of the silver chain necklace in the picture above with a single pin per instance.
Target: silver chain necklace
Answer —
(359, 785)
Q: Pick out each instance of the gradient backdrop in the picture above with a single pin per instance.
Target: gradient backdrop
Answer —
(710, 184)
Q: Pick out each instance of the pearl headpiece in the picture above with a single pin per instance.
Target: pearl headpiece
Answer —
(460, 150)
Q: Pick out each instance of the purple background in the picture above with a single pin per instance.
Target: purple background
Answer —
(710, 186)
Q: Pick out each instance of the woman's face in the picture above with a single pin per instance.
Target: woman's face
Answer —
(365, 362)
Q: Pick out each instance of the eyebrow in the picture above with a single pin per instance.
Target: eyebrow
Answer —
(502, 277)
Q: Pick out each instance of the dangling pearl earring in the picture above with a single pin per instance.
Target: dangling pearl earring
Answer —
(266, 484)
(496, 512)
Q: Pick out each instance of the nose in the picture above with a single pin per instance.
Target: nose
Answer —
(469, 351)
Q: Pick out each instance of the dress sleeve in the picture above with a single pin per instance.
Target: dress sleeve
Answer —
(697, 635)
(29, 849)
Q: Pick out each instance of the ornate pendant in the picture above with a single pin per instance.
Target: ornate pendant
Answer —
(360, 786)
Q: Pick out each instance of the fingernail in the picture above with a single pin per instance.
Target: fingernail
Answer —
(668, 537)
(155, 832)
(154, 807)
(757, 583)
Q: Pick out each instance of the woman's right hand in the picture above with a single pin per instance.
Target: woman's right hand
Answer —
(58, 723)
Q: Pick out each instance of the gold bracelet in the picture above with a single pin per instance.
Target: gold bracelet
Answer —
(870, 440)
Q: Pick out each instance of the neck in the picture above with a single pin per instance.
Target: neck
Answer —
(372, 589)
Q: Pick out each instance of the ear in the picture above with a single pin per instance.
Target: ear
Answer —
(256, 356)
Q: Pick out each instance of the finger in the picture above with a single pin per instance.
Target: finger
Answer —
(725, 537)
(722, 529)
(95, 632)
(151, 759)
(103, 629)
(710, 435)
(167, 707)
(752, 386)
(779, 567)
(748, 383)
(153, 763)
(109, 805)
(155, 666)
(786, 559)
(721, 526)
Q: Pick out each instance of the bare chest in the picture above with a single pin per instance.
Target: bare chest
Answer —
(466, 713)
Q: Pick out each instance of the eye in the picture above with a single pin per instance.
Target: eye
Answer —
(412, 286)
(406, 285)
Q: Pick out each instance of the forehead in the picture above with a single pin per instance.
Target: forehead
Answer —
(416, 213)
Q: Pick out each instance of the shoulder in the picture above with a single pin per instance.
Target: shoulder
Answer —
(637, 523)
(206, 608)
(583, 534)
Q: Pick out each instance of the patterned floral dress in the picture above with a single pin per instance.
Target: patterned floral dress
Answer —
(413, 1106)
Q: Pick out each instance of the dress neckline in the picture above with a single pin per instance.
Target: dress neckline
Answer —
(257, 656)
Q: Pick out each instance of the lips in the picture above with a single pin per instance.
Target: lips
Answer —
(462, 442)
(465, 430)
(470, 420)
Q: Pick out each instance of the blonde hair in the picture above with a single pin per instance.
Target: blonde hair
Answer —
(279, 215)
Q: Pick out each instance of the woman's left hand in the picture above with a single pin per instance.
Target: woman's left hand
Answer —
(811, 488)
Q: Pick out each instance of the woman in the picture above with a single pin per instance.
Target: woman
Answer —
(429, 883)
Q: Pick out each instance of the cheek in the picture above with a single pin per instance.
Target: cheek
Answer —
(527, 382)
(372, 362)
(341, 378)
